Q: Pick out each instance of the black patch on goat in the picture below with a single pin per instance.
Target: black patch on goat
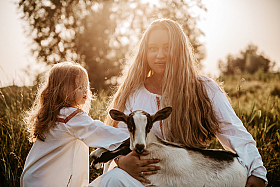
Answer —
(130, 123)
(220, 155)
(149, 123)
(216, 154)
(123, 149)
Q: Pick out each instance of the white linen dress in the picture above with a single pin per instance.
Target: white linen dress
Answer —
(233, 136)
(63, 158)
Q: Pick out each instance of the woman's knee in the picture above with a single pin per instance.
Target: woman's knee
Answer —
(114, 176)
(118, 177)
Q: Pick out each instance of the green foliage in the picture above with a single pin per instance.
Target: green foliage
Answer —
(255, 102)
(100, 34)
(248, 61)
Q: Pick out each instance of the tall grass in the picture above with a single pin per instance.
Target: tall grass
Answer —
(14, 145)
(256, 102)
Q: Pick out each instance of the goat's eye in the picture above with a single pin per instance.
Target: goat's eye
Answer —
(131, 128)
(130, 125)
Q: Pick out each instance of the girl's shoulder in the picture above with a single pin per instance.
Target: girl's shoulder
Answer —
(71, 115)
(67, 111)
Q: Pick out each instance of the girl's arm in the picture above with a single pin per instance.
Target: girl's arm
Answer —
(94, 133)
(234, 136)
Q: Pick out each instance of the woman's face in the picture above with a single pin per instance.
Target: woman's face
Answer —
(157, 55)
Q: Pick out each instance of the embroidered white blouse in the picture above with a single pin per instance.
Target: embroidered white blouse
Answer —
(63, 158)
(233, 136)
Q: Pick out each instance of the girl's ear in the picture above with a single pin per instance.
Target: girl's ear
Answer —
(161, 114)
(118, 115)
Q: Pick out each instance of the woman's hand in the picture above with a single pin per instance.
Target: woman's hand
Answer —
(136, 167)
(255, 182)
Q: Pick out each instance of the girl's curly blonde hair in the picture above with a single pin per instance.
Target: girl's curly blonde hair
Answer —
(57, 91)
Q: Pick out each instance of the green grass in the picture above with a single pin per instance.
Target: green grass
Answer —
(257, 103)
(14, 145)
(255, 100)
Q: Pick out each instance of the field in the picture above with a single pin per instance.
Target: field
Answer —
(255, 99)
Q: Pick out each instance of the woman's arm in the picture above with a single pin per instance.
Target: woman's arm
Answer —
(234, 136)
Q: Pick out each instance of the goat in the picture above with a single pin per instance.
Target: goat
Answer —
(180, 165)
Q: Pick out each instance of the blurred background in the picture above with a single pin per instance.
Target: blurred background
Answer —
(236, 42)
(100, 34)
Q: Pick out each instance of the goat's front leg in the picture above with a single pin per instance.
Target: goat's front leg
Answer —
(102, 155)
(96, 154)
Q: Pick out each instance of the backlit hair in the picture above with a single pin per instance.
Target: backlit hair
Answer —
(192, 121)
(57, 91)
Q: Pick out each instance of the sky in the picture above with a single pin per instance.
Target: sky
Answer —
(15, 54)
(229, 27)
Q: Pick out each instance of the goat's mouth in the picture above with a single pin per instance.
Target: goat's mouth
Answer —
(139, 148)
(139, 151)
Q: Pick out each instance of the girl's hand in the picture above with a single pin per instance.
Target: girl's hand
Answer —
(255, 182)
(136, 167)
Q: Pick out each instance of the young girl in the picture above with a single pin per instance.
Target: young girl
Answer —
(62, 131)
(163, 73)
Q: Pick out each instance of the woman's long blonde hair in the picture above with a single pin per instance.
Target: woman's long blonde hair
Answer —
(192, 121)
(58, 91)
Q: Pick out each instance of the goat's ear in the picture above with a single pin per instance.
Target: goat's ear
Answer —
(161, 114)
(118, 115)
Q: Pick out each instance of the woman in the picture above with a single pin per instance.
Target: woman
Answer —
(163, 73)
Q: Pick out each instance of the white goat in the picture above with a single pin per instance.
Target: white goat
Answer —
(180, 166)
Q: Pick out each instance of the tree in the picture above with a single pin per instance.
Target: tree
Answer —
(98, 34)
(249, 61)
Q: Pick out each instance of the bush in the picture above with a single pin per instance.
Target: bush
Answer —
(275, 91)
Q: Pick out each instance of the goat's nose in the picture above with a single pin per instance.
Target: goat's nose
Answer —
(139, 148)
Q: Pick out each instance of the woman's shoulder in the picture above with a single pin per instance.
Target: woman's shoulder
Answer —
(212, 87)
(210, 83)
(206, 80)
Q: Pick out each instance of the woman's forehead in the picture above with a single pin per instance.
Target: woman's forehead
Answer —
(158, 36)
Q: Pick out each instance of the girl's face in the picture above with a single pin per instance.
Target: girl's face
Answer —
(81, 93)
(158, 46)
